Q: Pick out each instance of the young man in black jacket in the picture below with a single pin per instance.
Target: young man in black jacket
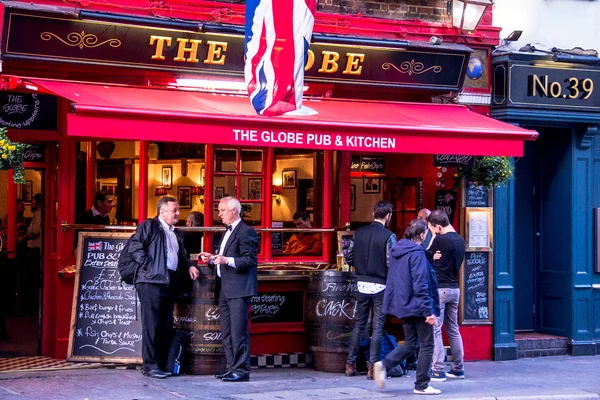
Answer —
(370, 257)
(157, 246)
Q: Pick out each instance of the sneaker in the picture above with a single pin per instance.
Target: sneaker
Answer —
(427, 390)
(456, 374)
(379, 374)
(438, 376)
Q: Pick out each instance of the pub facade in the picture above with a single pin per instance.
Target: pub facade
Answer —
(141, 107)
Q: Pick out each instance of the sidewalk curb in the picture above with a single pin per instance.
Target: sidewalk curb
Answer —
(579, 396)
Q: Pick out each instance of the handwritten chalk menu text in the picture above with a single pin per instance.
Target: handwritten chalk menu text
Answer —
(476, 302)
(273, 307)
(477, 196)
(103, 323)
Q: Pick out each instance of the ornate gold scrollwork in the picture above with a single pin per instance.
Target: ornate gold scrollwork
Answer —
(412, 67)
(81, 40)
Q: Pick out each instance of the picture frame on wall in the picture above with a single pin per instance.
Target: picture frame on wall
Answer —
(371, 185)
(184, 196)
(167, 177)
(219, 192)
(352, 197)
(288, 179)
(254, 188)
(26, 192)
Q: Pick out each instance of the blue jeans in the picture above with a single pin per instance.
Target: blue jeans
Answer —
(448, 318)
(416, 332)
(363, 308)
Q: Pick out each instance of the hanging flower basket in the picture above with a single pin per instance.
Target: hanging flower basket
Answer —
(488, 171)
(11, 156)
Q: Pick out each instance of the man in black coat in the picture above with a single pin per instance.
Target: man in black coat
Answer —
(236, 269)
(370, 256)
(98, 214)
(158, 249)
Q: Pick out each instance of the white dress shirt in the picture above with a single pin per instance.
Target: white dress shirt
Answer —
(172, 245)
(230, 260)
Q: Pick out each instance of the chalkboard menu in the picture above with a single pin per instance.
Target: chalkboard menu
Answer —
(477, 196)
(367, 164)
(271, 307)
(445, 200)
(28, 111)
(453, 160)
(103, 322)
(476, 297)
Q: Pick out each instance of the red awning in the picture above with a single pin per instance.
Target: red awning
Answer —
(120, 112)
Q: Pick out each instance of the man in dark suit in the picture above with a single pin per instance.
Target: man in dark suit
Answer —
(157, 246)
(98, 214)
(235, 263)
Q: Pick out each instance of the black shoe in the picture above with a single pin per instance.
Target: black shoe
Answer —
(234, 377)
(155, 373)
(167, 373)
(224, 374)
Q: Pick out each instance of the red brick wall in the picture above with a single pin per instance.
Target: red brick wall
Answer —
(425, 10)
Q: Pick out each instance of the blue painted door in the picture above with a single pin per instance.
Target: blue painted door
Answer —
(526, 239)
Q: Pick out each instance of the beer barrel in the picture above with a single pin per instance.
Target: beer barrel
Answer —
(199, 313)
(329, 318)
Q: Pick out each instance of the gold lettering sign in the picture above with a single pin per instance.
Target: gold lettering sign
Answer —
(183, 48)
(160, 46)
(576, 89)
(215, 53)
(352, 67)
(329, 64)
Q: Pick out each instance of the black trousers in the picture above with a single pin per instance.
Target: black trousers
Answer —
(416, 332)
(235, 333)
(157, 303)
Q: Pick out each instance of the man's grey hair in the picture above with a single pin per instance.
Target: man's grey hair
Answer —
(196, 218)
(232, 202)
(163, 201)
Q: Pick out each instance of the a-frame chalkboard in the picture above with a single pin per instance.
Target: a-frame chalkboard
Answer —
(104, 327)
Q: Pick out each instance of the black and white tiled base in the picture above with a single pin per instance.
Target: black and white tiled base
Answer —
(281, 360)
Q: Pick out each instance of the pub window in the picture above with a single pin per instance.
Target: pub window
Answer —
(239, 173)
(297, 177)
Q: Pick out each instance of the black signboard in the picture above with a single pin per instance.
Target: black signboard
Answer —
(277, 240)
(453, 160)
(220, 51)
(35, 153)
(477, 196)
(445, 200)
(538, 82)
(103, 323)
(28, 111)
(272, 307)
(368, 164)
(476, 301)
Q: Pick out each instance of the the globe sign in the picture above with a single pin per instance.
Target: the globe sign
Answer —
(475, 68)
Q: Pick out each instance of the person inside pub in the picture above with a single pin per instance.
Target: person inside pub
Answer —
(304, 243)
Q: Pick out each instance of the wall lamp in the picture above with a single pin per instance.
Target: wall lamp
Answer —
(466, 14)
(160, 191)
(143, 21)
(198, 191)
(277, 191)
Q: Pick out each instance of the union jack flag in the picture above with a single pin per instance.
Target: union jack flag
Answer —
(94, 246)
(278, 34)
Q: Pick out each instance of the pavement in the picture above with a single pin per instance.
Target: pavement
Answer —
(545, 378)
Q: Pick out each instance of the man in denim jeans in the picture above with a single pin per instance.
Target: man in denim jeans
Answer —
(448, 249)
(370, 256)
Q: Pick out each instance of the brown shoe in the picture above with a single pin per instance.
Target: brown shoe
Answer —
(370, 371)
(350, 370)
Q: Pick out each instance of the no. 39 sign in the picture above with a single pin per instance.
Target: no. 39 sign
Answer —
(569, 88)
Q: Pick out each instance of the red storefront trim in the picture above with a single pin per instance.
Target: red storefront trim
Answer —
(118, 112)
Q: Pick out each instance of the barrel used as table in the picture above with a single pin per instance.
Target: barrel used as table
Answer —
(199, 313)
(329, 318)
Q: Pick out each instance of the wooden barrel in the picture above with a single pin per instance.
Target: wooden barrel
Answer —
(199, 313)
(329, 318)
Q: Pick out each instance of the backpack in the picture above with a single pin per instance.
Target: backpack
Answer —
(127, 266)
(388, 343)
(179, 343)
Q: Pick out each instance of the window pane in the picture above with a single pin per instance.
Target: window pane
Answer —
(224, 186)
(251, 160)
(252, 214)
(225, 160)
(251, 188)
